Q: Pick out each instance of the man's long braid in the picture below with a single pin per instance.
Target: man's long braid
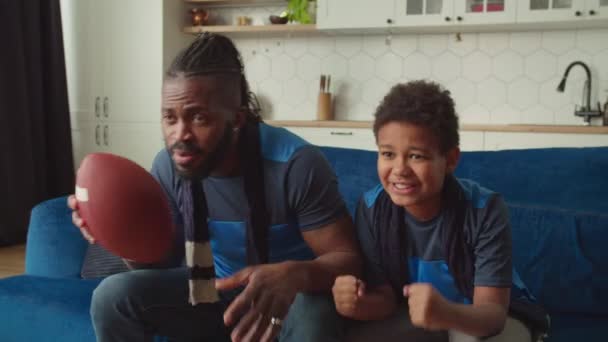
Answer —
(216, 55)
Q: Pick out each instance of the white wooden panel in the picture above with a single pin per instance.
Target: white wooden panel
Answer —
(345, 14)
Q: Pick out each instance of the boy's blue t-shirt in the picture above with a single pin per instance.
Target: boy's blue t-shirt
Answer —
(486, 230)
(301, 195)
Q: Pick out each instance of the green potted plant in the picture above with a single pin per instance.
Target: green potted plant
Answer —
(298, 11)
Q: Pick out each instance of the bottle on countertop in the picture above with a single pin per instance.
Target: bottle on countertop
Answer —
(605, 122)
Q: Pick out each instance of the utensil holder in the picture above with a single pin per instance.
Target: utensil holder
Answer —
(324, 107)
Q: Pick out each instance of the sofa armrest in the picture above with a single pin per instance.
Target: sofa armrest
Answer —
(55, 247)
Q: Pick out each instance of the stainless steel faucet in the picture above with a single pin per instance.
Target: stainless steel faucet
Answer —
(585, 110)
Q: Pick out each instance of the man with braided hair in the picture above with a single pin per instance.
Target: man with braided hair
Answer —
(264, 202)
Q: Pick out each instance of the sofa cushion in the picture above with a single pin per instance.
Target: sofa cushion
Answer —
(45, 309)
(55, 247)
(560, 255)
(578, 327)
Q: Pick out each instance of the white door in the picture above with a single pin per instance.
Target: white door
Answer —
(88, 137)
(359, 14)
(474, 12)
(550, 10)
(597, 9)
(83, 39)
(424, 12)
(133, 55)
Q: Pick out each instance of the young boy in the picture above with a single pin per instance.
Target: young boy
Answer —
(441, 245)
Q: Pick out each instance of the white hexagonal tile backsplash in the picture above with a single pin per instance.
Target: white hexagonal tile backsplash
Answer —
(493, 77)
(540, 66)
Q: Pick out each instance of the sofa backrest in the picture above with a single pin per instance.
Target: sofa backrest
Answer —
(559, 214)
(564, 178)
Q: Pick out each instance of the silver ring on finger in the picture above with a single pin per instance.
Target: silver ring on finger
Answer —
(275, 321)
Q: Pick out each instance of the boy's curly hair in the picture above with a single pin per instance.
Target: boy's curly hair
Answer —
(422, 103)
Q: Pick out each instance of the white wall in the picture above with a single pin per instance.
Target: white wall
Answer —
(495, 78)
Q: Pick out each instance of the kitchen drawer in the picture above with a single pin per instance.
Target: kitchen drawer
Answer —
(471, 141)
(359, 138)
(507, 141)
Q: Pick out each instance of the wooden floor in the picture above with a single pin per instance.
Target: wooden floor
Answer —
(12, 260)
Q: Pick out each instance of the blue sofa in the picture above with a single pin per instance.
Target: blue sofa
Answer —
(559, 212)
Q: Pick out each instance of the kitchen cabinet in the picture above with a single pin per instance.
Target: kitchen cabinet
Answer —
(123, 60)
(116, 52)
(522, 140)
(359, 138)
(363, 138)
(359, 14)
(388, 14)
(358, 134)
(460, 12)
(139, 142)
(424, 12)
(561, 10)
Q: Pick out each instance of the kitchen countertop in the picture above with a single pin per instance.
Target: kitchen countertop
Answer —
(465, 127)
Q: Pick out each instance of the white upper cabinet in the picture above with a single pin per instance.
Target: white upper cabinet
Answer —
(133, 56)
(433, 15)
(424, 12)
(385, 14)
(358, 14)
(475, 12)
(597, 9)
(562, 10)
(114, 54)
(461, 12)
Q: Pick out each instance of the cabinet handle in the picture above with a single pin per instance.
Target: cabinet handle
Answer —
(578, 13)
(97, 135)
(105, 106)
(448, 19)
(459, 18)
(341, 133)
(105, 135)
(592, 12)
(97, 101)
(389, 21)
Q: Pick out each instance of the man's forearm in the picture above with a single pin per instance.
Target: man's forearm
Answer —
(319, 274)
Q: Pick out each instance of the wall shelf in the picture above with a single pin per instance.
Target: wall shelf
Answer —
(464, 127)
(250, 28)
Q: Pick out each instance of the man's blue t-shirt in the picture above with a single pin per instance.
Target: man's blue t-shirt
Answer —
(301, 195)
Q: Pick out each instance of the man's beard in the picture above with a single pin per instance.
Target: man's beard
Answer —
(214, 158)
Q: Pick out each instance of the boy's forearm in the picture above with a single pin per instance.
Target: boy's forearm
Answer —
(476, 320)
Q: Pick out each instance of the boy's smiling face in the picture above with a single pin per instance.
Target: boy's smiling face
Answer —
(412, 168)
